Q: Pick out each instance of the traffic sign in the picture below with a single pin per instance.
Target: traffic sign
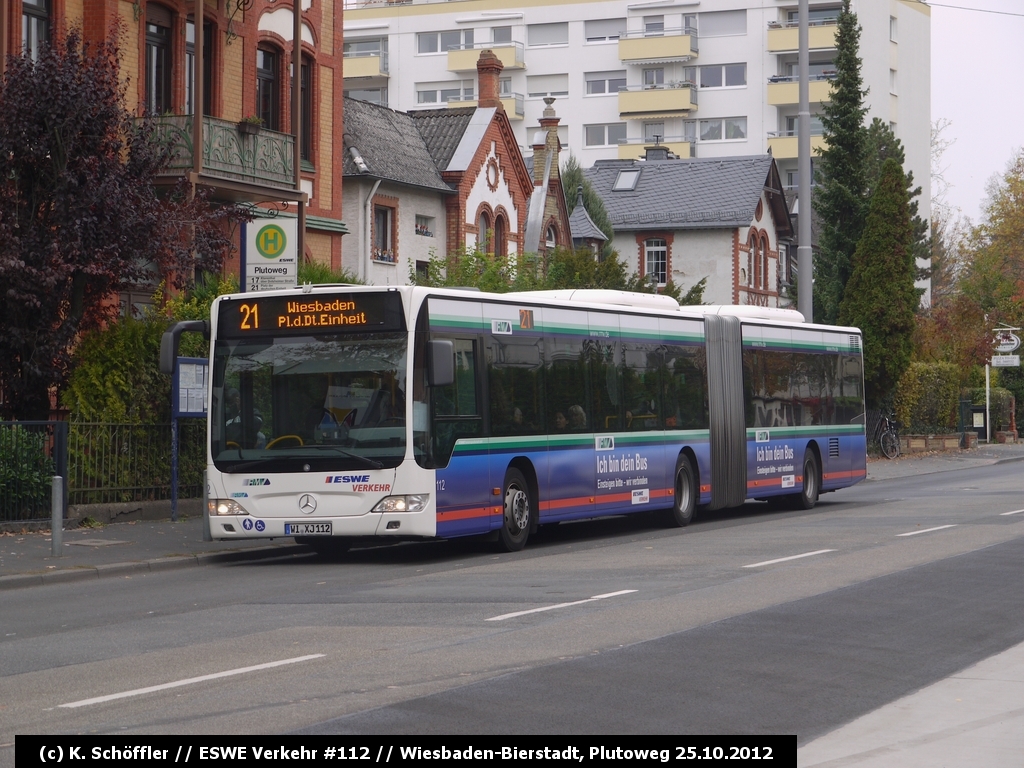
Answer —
(269, 259)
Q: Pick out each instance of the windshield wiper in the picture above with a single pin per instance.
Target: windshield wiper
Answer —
(368, 462)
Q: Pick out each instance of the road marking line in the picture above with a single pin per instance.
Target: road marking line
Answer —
(1015, 512)
(189, 681)
(560, 605)
(926, 530)
(792, 557)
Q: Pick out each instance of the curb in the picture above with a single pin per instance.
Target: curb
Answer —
(155, 565)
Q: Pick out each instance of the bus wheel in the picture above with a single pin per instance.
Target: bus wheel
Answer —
(518, 512)
(808, 497)
(325, 546)
(685, 494)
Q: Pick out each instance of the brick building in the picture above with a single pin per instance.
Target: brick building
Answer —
(245, 50)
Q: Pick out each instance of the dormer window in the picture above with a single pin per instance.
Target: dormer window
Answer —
(626, 180)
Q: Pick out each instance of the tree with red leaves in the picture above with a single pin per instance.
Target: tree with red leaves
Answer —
(80, 215)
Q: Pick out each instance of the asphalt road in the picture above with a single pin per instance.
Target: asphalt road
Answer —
(616, 626)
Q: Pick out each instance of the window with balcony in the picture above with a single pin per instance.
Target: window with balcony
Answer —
(442, 42)
(547, 34)
(190, 57)
(374, 46)
(654, 26)
(603, 30)
(723, 23)
(378, 96)
(501, 34)
(606, 135)
(816, 70)
(442, 93)
(605, 82)
(547, 85)
(654, 132)
(727, 129)
(504, 87)
(816, 15)
(158, 59)
(690, 130)
(654, 77)
(306, 110)
(268, 87)
(35, 26)
(656, 260)
(723, 76)
(793, 125)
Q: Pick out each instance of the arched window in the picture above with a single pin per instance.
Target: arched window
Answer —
(484, 243)
(656, 260)
(551, 237)
(764, 260)
(755, 257)
(500, 236)
(35, 26)
(268, 87)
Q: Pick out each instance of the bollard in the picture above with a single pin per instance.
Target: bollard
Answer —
(56, 516)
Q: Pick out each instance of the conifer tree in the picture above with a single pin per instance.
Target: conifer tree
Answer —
(840, 196)
(880, 297)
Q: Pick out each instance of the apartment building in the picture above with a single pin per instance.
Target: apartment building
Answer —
(709, 78)
(247, 131)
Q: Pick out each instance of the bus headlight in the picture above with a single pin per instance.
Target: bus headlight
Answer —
(225, 507)
(416, 502)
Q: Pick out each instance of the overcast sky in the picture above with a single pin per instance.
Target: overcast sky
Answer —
(978, 85)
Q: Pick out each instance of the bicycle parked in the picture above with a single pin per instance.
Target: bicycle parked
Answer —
(887, 436)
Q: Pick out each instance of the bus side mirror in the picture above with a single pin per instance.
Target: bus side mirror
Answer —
(440, 363)
(169, 341)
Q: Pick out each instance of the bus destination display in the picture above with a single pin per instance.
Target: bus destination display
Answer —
(313, 313)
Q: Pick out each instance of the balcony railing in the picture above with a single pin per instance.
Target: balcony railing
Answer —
(678, 44)
(366, 64)
(463, 58)
(785, 89)
(649, 100)
(680, 146)
(785, 36)
(263, 158)
(784, 145)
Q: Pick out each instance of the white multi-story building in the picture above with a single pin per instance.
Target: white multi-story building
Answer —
(711, 78)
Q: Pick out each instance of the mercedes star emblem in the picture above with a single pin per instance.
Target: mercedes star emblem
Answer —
(307, 504)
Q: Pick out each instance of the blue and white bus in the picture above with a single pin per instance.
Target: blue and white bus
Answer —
(340, 413)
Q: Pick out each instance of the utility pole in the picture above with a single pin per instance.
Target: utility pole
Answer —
(804, 255)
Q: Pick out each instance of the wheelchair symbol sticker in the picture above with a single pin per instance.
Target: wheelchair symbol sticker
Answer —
(260, 526)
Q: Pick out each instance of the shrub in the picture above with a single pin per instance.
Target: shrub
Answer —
(927, 397)
(26, 472)
(1000, 404)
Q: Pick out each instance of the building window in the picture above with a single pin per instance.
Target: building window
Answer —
(384, 250)
(723, 23)
(793, 125)
(190, 57)
(35, 26)
(654, 26)
(892, 81)
(442, 93)
(816, 15)
(656, 260)
(605, 82)
(268, 88)
(547, 85)
(425, 226)
(723, 76)
(607, 135)
(306, 110)
(626, 180)
(158, 59)
(551, 237)
(547, 34)
(654, 132)
(500, 235)
(603, 30)
(501, 34)
(422, 272)
(442, 42)
(729, 129)
(504, 87)
(483, 232)
(654, 77)
(892, 28)
(378, 96)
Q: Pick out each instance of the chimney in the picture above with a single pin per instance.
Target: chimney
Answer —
(488, 69)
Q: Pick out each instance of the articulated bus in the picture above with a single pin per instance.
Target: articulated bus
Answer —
(340, 413)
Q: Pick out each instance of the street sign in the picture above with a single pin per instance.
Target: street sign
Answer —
(1005, 361)
(1006, 341)
(269, 258)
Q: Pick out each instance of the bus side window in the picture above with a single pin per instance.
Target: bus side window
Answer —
(455, 408)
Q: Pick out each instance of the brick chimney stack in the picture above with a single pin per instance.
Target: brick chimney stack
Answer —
(488, 70)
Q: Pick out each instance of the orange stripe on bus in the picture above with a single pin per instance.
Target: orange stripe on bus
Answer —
(466, 514)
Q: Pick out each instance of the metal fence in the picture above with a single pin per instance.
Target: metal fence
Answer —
(132, 462)
(31, 453)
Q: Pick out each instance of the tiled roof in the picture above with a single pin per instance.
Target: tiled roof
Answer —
(390, 145)
(581, 225)
(442, 131)
(696, 193)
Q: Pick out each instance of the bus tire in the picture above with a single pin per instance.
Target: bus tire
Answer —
(325, 546)
(684, 501)
(808, 495)
(518, 510)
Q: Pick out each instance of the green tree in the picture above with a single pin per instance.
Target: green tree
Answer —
(80, 216)
(880, 297)
(840, 195)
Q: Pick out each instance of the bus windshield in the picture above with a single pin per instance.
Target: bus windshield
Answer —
(302, 403)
